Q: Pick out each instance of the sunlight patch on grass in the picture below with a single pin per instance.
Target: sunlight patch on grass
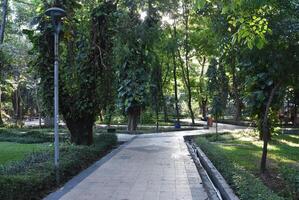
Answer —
(289, 143)
(243, 147)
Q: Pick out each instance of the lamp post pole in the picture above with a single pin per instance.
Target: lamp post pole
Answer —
(56, 14)
(56, 97)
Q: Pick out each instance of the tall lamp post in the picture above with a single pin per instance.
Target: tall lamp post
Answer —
(56, 14)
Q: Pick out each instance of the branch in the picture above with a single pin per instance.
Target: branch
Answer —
(27, 3)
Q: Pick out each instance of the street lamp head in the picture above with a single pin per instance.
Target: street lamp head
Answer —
(55, 12)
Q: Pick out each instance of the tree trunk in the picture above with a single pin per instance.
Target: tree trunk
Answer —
(237, 99)
(186, 79)
(204, 108)
(266, 129)
(2, 31)
(133, 118)
(49, 121)
(190, 105)
(81, 130)
(38, 109)
(238, 107)
(101, 116)
(187, 74)
(3, 23)
(16, 106)
(176, 99)
(176, 90)
(204, 100)
(39, 120)
(157, 118)
(165, 110)
(217, 126)
(1, 120)
(164, 107)
(295, 113)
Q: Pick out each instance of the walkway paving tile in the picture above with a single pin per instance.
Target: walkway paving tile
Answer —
(156, 168)
(151, 167)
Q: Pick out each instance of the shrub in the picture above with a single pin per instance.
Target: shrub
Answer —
(291, 175)
(28, 137)
(38, 177)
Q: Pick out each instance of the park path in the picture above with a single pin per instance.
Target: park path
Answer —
(149, 167)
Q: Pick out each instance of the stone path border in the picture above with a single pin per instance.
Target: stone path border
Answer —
(220, 183)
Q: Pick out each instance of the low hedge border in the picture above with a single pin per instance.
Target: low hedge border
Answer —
(38, 180)
(245, 185)
(28, 137)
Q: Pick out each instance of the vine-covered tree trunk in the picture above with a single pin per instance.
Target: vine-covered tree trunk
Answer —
(133, 118)
(81, 130)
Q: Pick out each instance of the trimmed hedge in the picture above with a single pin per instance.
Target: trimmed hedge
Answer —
(38, 179)
(245, 184)
(27, 136)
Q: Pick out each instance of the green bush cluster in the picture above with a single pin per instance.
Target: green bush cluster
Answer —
(38, 177)
(291, 176)
(246, 185)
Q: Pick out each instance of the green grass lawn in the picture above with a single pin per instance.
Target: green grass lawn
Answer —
(244, 149)
(283, 149)
(11, 151)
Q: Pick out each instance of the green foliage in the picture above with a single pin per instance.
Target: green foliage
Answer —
(19, 180)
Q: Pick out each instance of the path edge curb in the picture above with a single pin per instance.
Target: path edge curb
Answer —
(218, 180)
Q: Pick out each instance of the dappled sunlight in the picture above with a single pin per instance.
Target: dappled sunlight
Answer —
(246, 156)
(289, 143)
(281, 159)
(246, 148)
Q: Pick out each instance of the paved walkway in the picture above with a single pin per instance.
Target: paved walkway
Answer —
(150, 167)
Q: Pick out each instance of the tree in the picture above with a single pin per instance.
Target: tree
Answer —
(81, 72)
(134, 57)
(102, 35)
(2, 30)
(173, 50)
(267, 49)
(218, 89)
(187, 49)
(3, 21)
